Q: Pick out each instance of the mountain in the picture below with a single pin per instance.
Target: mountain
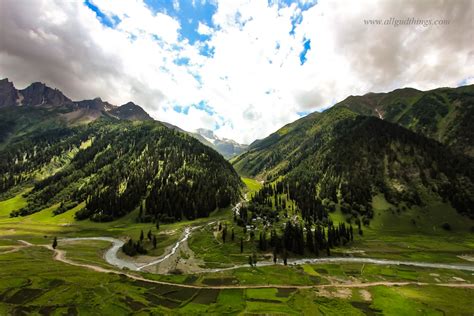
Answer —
(105, 161)
(444, 114)
(8, 93)
(340, 157)
(54, 107)
(227, 147)
(38, 95)
(130, 111)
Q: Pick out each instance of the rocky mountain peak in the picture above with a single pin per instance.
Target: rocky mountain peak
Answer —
(8, 93)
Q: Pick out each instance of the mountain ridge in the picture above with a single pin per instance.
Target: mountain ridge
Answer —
(40, 96)
(227, 147)
(444, 114)
(342, 156)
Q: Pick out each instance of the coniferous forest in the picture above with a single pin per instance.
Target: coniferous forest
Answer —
(116, 167)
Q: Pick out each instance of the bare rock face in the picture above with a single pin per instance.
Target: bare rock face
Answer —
(38, 94)
(8, 93)
(130, 112)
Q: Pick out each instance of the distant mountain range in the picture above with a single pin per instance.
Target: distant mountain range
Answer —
(227, 147)
(38, 95)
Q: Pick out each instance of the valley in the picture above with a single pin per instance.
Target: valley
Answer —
(336, 213)
(436, 264)
(236, 157)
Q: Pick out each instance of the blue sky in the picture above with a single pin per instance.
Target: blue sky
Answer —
(194, 15)
(242, 68)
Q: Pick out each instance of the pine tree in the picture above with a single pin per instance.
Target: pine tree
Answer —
(55, 243)
(309, 239)
(224, 234)
(141, 236)
(149, 235)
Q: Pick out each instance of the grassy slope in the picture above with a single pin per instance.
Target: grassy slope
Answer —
(403, 235)
(251, 185)
(124, 296)
(32, 283)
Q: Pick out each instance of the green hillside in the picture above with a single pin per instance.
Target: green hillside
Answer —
(341, 159)
(114, 166)
(444, 114)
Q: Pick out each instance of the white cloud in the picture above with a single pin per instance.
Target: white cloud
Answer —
(176, 5)
(254, 80)
(203, 29)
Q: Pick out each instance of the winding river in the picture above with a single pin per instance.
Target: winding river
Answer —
(111, 257)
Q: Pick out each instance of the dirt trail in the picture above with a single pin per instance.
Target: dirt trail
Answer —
(15, 248)
(60, 255)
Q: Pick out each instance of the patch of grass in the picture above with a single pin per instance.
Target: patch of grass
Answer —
(14, 203)
(232, 298)
(413, 300)
(264, 295)
(214, 252)
(252, 185)
(86, 251)
(309, 270)
(30, 275)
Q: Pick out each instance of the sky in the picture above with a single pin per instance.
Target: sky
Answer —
(240, 68)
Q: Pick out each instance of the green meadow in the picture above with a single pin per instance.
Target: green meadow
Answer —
(34, 283)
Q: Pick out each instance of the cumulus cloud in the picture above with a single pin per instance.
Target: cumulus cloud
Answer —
(247, 68)
(203, 29)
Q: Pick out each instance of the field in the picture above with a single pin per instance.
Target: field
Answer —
(33, 282)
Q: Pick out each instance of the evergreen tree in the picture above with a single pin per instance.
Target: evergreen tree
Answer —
(224, 234)
(55, 243)
(309, 239)
(141, 236)
(149, 235)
